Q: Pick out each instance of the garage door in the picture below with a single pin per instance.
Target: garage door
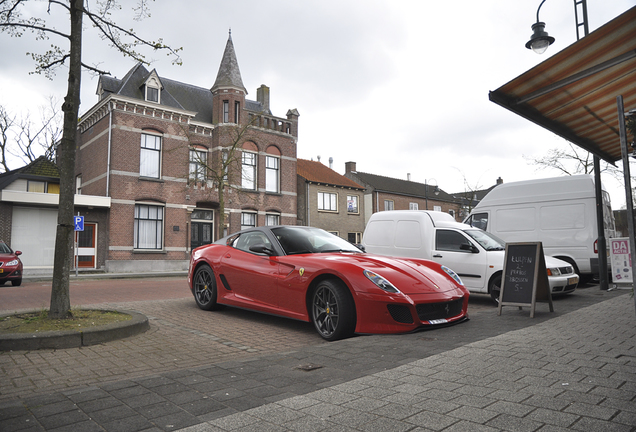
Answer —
(33, 233)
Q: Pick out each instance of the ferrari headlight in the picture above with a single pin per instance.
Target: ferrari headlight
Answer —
(453, 275)
(380, 281)
(12, 263)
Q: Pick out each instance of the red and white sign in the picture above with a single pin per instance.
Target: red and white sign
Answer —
(621, 260)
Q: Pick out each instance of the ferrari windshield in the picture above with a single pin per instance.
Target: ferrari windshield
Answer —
(486, 240)
(302, 240)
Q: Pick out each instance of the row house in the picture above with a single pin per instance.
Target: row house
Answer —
(329, 200)
(29, 201)
(386, 193)
(182, 165)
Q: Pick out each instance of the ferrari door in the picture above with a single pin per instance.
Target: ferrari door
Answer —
(249, 276)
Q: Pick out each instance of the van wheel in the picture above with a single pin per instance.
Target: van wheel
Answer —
(494, 288)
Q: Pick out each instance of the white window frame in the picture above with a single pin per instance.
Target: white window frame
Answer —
(353, 209)
(148, 227)
(149, 90)
(150, 155)
(389, 205)
(272, 219)
(249, 161)
(226, 111)
(414, 206)
(198, 164)
(328, 201)
(248, 220)
(272, 174)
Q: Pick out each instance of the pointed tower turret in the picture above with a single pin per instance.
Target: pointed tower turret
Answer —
(228, 89)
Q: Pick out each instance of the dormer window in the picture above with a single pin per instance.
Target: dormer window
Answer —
(152, 88)
(152, 94)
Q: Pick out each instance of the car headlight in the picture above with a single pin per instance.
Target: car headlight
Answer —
(380, 281)
(453, 275)
(12, 263)
(554, 272)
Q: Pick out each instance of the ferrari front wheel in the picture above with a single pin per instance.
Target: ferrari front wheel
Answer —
(204, 288)
(333, 311)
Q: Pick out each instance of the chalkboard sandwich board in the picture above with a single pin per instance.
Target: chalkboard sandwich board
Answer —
(525, 278)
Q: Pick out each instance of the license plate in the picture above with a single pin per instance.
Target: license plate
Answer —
(439, 321)
(572, 280)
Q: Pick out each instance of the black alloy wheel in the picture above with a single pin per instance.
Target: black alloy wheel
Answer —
(204, 288)
(333, 311)
(494, 288)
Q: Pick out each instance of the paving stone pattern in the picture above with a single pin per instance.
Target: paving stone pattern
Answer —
(574, 369)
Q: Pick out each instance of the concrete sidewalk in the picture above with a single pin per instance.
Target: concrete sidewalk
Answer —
(575, 371)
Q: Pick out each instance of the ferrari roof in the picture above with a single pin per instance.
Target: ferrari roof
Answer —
(574, 93)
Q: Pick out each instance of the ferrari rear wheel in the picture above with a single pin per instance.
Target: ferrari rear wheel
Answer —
(204, 288)
(333, 311)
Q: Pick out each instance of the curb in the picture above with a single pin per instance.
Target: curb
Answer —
(76, 339)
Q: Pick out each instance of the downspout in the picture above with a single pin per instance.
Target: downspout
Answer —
(307, 194)
(110, 126)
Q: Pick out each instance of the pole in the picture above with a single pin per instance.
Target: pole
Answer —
(629, 201)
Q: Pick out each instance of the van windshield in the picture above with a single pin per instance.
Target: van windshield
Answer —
(486, 240)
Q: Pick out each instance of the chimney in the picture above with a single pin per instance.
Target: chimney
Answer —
(408, 176)
(262, 96)
(330, 163)
(318, 157)
(499, 181)
(350, 167)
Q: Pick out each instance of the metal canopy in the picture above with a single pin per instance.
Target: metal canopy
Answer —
(573, 93)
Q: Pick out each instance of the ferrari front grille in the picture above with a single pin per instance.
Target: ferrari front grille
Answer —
(400, 313)
(433, 311)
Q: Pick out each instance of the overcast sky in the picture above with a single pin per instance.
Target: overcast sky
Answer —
(397, 86)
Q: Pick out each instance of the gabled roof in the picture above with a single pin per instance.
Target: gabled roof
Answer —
(403, 187)
(229, 74)
(316, 172)
(39, 168)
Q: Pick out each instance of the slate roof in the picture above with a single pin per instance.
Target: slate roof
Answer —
(316, 172)
(41, 168)
(178, 95)
(403, 187)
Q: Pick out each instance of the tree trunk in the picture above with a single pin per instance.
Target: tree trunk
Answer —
(60, 298)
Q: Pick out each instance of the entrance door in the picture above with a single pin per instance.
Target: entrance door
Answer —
(202, 228)
(201, 234)
(87, 250)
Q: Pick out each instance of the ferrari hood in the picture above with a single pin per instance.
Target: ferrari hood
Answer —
(410, 276)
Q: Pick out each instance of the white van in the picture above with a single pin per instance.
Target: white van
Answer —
(475, 255)
(559, 212)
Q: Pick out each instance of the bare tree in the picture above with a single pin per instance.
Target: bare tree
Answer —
(15, 24)
(23, 139)
(223, 168)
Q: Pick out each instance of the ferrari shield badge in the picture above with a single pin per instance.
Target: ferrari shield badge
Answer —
(301, 271)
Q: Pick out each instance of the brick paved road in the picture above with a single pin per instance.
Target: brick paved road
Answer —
(180, 336)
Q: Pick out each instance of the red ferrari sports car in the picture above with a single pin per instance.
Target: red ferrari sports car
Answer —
(311, 275)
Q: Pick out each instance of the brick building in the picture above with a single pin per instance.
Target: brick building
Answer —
(386, 193)
(330, 201)
(160, 149)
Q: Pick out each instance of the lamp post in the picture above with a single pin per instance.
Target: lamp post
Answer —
(542, 41)
(435, 191)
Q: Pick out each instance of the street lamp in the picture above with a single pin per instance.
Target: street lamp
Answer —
(540, 39)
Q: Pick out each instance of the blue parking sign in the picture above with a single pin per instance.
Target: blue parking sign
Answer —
(79, 223)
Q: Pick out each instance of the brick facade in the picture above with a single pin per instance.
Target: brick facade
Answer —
(110, 161)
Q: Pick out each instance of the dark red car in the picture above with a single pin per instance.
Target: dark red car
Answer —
(10, 265)
(311, 275)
